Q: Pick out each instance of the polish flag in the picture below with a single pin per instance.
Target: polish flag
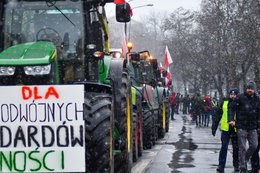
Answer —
(167, 57)
(168, 74)
(119, 1)
(161, 69)
(168, 79)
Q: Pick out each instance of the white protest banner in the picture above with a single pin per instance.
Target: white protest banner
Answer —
(42, 128)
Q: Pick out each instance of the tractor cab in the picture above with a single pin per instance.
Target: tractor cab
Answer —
(46, 42)
(37, 37)
(145, 72)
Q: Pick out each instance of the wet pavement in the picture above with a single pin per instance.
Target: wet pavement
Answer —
(184, 149)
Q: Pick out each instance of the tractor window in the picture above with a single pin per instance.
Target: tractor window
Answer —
(30, 21)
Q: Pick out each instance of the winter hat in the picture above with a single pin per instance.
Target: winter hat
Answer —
(233, 91)
(251, 85)
(207, 98)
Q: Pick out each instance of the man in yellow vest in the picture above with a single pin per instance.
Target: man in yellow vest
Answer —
(227, 132)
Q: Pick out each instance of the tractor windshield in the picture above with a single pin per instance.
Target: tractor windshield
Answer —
(60, 22)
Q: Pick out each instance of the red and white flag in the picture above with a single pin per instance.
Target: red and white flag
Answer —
(119, 1)
(168, 79)
(168, 74)
(160, 67)
(167, 57)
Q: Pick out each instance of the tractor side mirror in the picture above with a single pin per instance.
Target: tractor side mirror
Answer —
(123, 12)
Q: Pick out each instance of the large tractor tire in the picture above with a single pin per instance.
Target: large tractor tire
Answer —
(97, 114)
(123, 161)
(148, 129)
(155, 126)
(135, 136)
(139, 119)
(140, 134)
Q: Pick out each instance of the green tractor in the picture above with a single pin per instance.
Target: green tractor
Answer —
(65, 42)
(145, 74)
(166, 95)
(163, 99)
(158, 104)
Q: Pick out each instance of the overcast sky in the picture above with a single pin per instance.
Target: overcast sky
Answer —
(158, 6)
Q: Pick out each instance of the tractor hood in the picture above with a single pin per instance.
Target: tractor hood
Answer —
(33, 53)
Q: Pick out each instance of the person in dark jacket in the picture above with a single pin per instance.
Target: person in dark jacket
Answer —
(227, 132)
(177, 103)
(255, 158)
(207, 110)
(247, 112)
(196, 109)
(215, 105)
(186, 104)
(172, 101)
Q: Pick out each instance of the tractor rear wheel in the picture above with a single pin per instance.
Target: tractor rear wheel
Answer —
(148, 126)
(155, 126)
(97, 115)
(123, 161)
(135, 136)
(140, 134)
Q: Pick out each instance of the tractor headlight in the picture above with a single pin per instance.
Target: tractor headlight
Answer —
(7, 71)
(37, 70)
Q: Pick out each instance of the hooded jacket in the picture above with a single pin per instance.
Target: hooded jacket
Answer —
(247, 110)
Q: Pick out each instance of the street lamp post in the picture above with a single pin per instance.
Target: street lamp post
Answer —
(147, 5)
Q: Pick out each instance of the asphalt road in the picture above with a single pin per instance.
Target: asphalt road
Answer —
(184, 149)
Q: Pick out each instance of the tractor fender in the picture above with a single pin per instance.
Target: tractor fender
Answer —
(148, 94)
(160, 94)
(139, 101)
(116, 70)
(137, 97)
(96, 87)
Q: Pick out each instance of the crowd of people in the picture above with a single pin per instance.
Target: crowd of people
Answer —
(179, 103)
(237, 117)
(200, 109)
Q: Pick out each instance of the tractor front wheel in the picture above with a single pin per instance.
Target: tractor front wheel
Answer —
(148, 129)
(97, 115)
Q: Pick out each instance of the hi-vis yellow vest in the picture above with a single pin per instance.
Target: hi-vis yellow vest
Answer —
(214, 103)
(224, 119)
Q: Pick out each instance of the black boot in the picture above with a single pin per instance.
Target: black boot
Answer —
(220, 169)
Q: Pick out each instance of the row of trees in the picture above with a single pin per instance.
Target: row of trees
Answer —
(217, 47)
(214, 48)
